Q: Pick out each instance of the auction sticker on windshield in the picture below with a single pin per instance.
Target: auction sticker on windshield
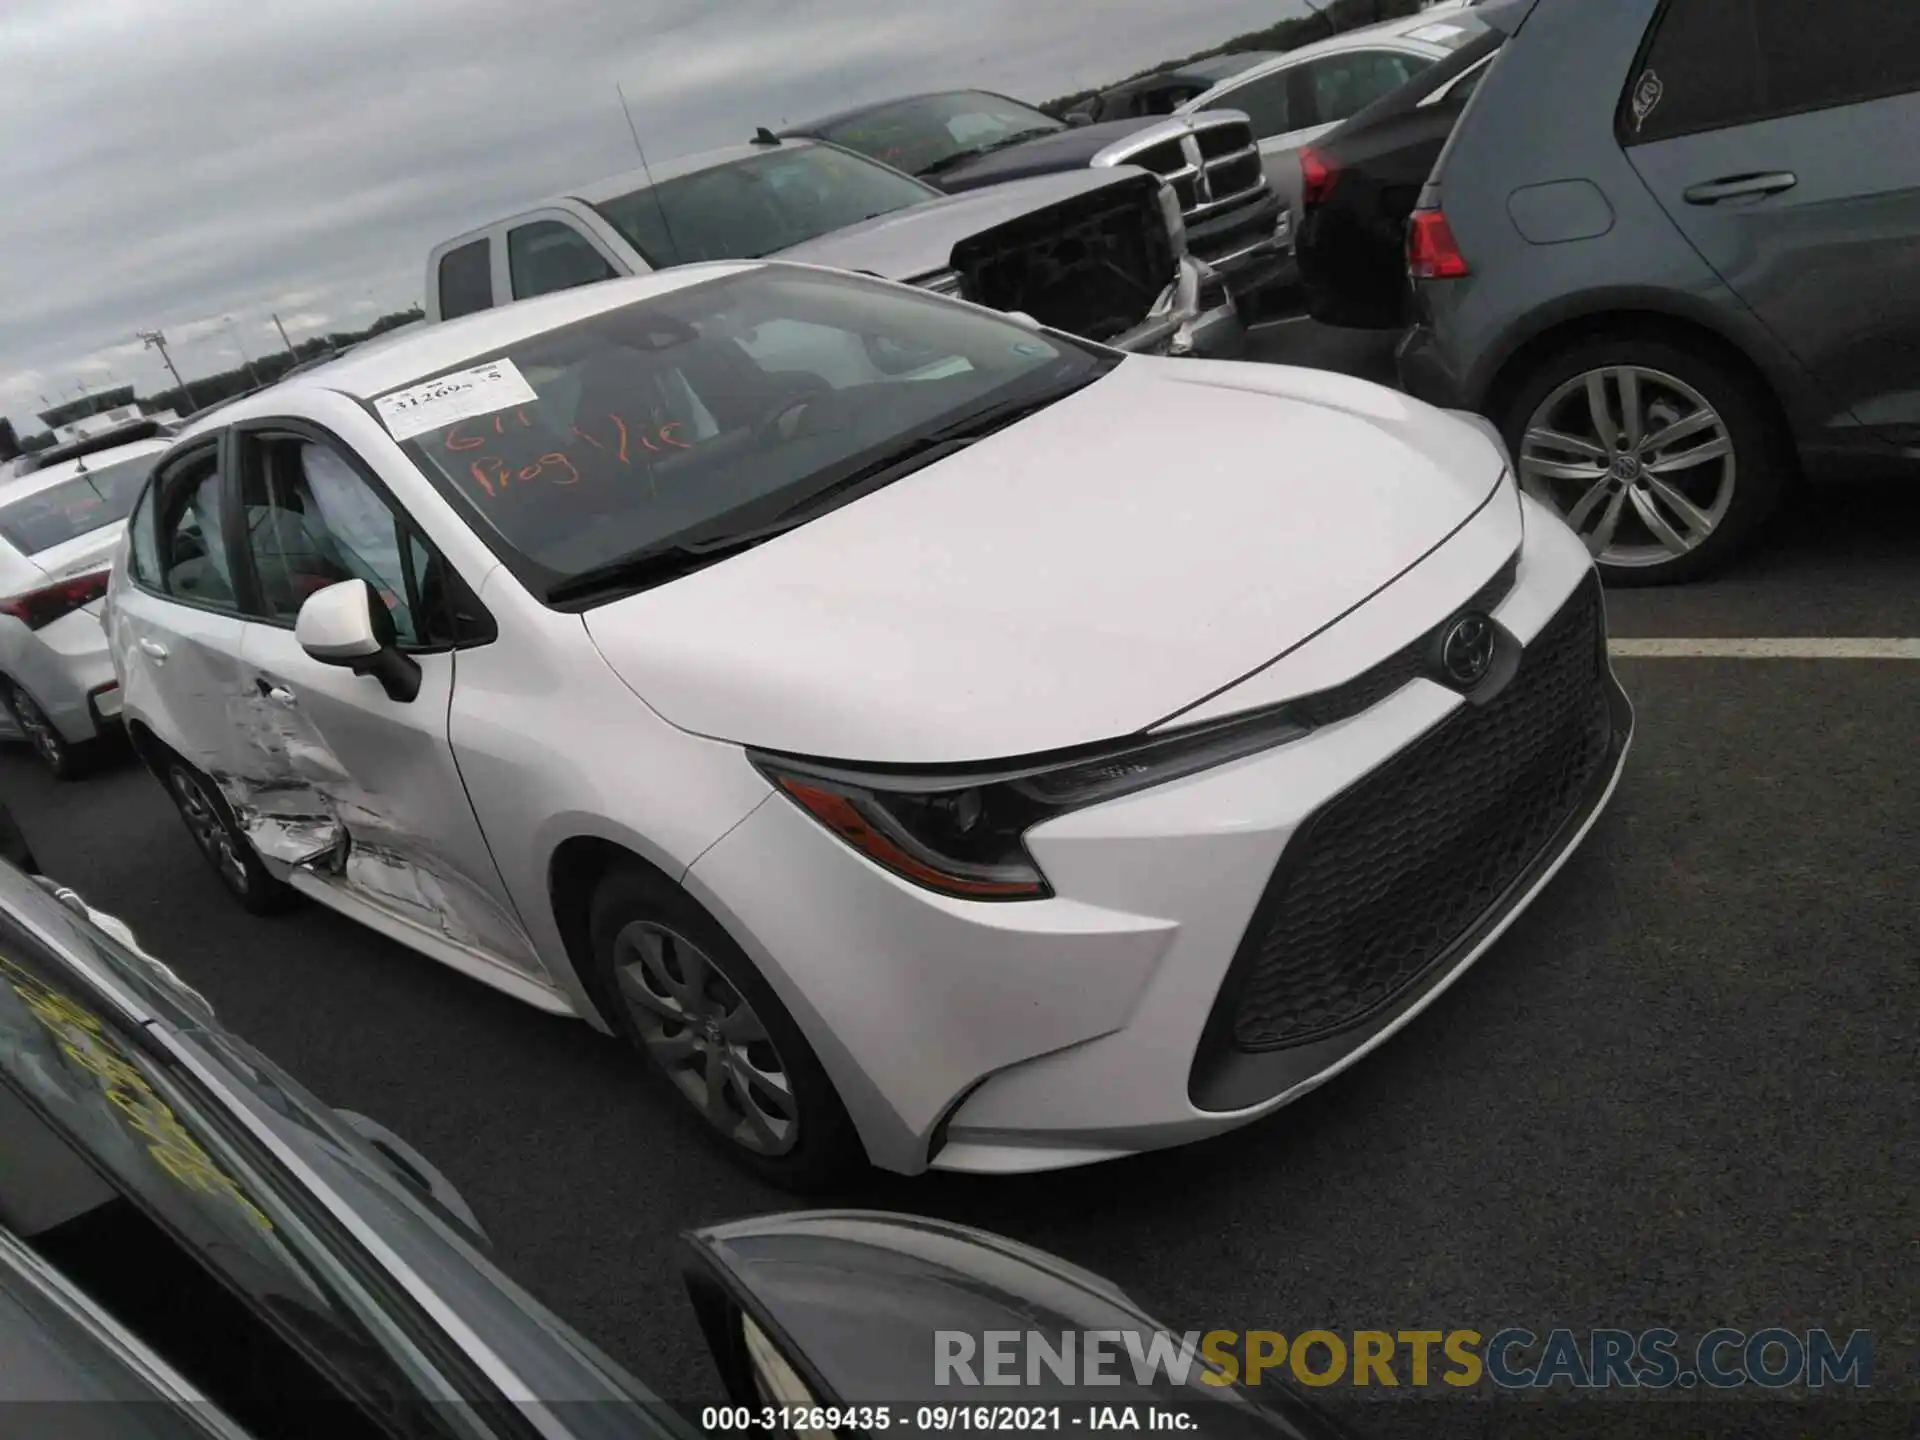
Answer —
(497, 385)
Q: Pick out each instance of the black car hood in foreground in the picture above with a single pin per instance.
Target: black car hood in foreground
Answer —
(1043, 155)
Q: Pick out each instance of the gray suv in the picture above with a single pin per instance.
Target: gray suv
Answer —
(1673, 250)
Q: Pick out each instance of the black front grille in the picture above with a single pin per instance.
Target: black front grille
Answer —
(1218, 140)
(1091, 266)
(1379, 884)
(1162, 159)
(1234, 177)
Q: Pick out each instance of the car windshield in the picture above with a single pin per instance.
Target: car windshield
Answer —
(100, 495)
(706, 413)
(757, 205)
(930, 132)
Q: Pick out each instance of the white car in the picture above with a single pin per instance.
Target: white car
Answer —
(59, 527)
(841, 692)
(1296, 97)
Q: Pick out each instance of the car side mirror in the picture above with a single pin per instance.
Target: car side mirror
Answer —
(346, 624)
(844, 1310)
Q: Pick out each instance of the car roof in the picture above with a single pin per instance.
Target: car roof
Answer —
(380, 365)
(1401, 31)
(34, 481)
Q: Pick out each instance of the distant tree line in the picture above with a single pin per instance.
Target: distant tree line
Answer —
(1330, 19)
(231, 384)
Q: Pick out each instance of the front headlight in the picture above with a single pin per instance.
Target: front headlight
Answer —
(1175, 217)
(960, 830)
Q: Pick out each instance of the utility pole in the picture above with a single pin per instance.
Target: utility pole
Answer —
(238, 344)
(292, 354)
(157, 340)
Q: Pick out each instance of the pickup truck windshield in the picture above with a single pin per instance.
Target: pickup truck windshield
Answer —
(755, 206)
(701, 417)
(930, 132)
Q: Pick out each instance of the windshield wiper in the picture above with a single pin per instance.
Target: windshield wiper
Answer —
(654, 565)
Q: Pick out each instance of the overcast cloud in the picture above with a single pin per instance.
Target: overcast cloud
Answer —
(174, 163)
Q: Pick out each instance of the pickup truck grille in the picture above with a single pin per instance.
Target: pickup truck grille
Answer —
(1212, 169)
(1091, 266)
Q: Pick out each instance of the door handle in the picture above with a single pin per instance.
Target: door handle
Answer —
(153, 648)
(1737, 187)
(279, 694)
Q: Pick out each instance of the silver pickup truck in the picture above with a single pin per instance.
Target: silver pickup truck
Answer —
(1097, 253)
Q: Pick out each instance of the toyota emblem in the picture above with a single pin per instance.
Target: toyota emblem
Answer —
(1466, 651)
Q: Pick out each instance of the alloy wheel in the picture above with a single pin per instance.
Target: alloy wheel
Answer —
(210, 832)
(708, 1039)
(46, 741)
(1635, 460)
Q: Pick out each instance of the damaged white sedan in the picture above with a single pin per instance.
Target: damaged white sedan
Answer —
(930, 738)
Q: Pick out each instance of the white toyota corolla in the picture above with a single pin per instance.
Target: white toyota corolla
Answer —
(924, 735)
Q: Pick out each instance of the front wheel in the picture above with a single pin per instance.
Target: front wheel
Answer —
(693, 1003)
(1659, 456)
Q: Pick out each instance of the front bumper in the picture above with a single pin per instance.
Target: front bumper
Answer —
(1195, 317)
(1034, 1036)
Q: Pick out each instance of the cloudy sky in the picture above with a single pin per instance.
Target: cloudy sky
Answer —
(199, 165)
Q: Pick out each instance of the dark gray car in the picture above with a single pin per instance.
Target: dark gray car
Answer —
(1673, 250)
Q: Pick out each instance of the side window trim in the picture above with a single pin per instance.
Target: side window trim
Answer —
(247, 437)
(163, 486)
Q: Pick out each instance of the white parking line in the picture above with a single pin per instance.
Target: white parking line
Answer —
(1830, 648)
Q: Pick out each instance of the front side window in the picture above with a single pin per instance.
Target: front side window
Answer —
(465, 280)
(1714, 64)
(719, 407)
(99, 495)
(548, 255)
(1341, 86)
(313, 522)
(755, 206)
(931, 132)
(192, 558)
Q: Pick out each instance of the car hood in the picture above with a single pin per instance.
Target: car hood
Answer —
(918, 241)
(1044, 155)
(1079, 576)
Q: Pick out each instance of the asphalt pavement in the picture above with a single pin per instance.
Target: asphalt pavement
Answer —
(1681, 1091)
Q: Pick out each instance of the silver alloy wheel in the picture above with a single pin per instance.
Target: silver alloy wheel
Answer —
(209, 831)
(38, 729)
(707, 1038)
(1635, 460)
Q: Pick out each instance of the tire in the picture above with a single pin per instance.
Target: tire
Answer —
(220, 841)
(1734, 493)
(650, 938)
(63, 758)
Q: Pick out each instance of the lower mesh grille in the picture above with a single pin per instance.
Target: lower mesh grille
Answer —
(1382, 882)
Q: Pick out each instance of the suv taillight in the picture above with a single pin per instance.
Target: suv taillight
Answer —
(1432, 252)
(1318, 176)
(39, 608)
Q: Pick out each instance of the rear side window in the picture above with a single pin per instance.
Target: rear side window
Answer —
(466, 281)
(1713, 64)
(547, 255)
